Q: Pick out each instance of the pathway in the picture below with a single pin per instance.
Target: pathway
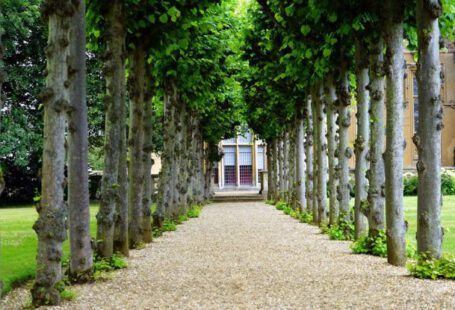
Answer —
(251, 256)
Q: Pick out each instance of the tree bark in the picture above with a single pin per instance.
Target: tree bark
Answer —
(114, 71)
(316, 144)
(428, 137)
(81, 262)
(286, 175)
(121, 239)
(52, 214)
(361, 143)
(301, 166)
(309, 155)
(396, 228)
(376, 177)
(330, 98)
(147, 161)
(344, 151)
(136, 83)
(281, 168)
(322, 158)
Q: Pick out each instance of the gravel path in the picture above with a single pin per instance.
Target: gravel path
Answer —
(251, 256)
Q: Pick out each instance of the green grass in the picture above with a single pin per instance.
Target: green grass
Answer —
(18, 240)
(447, 220)
(18, 243)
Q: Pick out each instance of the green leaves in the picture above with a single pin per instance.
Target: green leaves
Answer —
(164, 18)
(174, 13)
(305, 29)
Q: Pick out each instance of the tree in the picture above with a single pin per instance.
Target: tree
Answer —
(396, 227)
(363, 131)
(81, 262)
(376, 174)
(51, 224)
(330, 98)
(136, 91)
(114, 71)
(428, 137)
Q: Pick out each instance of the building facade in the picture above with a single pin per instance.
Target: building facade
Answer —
(411, 112)
(244, 157)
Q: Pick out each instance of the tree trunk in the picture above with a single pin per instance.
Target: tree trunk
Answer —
(361, 143)
(52, 216)
(286, 176)
(81, 262)
(396, 227)
(376, 177)
(309, 155)
(147, 161)
(344, 151)
(136, 83)
(322, 159)
(274, 170)
(121, 239)
(428, 137)
(316, 144)
(281, 167)
(181, 169)
(167, 181)
(114, 71)
(301, 166)
(330, 98)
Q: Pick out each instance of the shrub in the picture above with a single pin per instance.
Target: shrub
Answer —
(447, 183)
(194, 212)
(306, 217)
(427, 268)
(280, 205)
(410, 182)
(270, 202)
(169, 225)
(343, 231)
(376, 246)
(182, 218)
(68, 295)
(116, 262)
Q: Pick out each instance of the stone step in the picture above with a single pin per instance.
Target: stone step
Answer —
(238, 198)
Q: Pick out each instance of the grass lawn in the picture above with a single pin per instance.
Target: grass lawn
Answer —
(447, 220)
(18, 240)
(18, 243)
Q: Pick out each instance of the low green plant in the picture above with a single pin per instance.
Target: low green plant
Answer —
(194, 212)
(306, 217)
(169, 225)
(447, 183)
(343, 231)
(410, 182)
(295, 213)
(376, 246)
(68, 295)
(114, 263)
(270, 202)
(281, 205)
(156, 232)
(411, 250)
(426, 267)
(287, 210)
(182, 218)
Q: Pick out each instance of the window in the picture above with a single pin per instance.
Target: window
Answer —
(245, 138)
(230, 169)
(246, 165)
(230, 141)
